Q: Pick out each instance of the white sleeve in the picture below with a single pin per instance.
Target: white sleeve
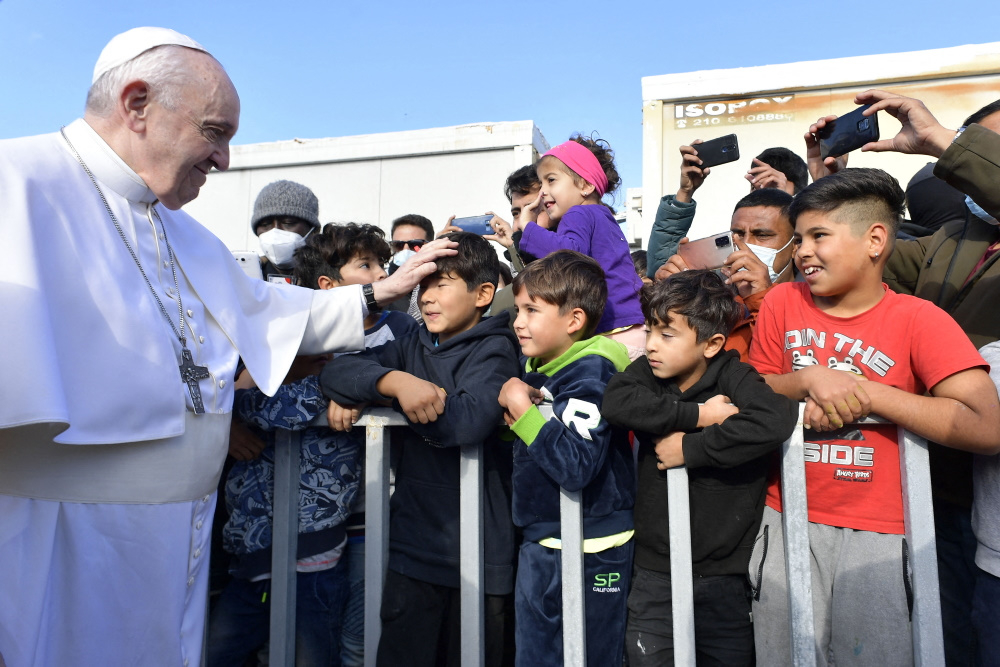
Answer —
(336, 321)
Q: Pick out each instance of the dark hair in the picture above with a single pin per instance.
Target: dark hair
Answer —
(476, 262)
(860, 198)
(788, 163)
(639, 261)
(326, 252)
(708, 304)
(567, 279)
(605, 156)
(416, 221)
(521, 182)
(769, 197)
(982, 114)
(505, 274)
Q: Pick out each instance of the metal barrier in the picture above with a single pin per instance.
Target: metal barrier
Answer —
(285, 542)
(918, 516)
(928, 642)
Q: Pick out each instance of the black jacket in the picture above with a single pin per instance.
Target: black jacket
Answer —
(424, 533)
(727, 463)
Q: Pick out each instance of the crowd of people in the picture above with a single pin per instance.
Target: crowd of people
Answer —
(577, 364)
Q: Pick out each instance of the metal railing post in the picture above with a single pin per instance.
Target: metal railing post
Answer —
(681, 569)
(574, 626)
(795, 529)
(471, 568)
(918, 516)
(375, 422)
(284, 546)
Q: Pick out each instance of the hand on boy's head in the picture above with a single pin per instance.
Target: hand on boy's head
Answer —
(530, 212)
(675, 264)
(692, 175)
(516, 397)
(413, 270)
(839, 395)
(763, 175)
(243, 444)
(745, 270)
(818, 167)
(921, 133)
(715, 411)
(343, 417)
(669, 450)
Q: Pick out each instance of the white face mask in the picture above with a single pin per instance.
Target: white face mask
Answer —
(400, 257)
(279, 246)
(978, 211)
(766, 256)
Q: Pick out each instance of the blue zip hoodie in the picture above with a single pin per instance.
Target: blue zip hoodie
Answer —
(576, 449)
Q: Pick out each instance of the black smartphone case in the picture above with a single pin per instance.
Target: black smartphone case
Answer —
(718, 151)
(847, 133)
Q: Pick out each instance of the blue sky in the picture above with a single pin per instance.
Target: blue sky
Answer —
(320, 69)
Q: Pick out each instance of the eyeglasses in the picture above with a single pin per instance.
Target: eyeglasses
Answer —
(414, 244)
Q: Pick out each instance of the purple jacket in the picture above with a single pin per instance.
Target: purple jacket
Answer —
(591, 230)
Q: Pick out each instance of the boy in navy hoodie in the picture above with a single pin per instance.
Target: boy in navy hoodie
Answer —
(445, 380)
(559, 301)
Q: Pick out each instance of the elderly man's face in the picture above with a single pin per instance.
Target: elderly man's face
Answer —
(182, 145)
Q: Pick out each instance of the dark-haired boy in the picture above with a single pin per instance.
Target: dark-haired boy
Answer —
(844, 318)
(690, 402)
(329, 473)
(445, 380)
(560, 299)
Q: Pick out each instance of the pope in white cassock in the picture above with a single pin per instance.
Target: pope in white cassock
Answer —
(124, 319)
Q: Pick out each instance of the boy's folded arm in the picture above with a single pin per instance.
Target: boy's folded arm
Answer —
(841, 395)
(764, 421)
(292, 407)
(352, 378)
(629, 403)
(571, 446)
(471, 412)
(963, 411)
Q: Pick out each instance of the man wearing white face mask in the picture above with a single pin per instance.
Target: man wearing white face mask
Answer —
(762, 235)
(284, 213)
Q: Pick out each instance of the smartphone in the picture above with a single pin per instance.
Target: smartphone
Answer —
(847, 133)
(477, 224)
(250, 263)
(718, 151)
(707, 253)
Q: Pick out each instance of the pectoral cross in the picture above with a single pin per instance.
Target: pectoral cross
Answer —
(190, 374)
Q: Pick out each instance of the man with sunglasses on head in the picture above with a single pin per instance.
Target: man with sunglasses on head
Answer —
(409, 233)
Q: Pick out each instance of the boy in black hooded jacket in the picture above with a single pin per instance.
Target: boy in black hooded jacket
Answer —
(677, 400)
(445, 379)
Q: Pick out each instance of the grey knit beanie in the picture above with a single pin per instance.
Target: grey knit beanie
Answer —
(283, 198)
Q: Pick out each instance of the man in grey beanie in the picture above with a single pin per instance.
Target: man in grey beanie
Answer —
(283, 215)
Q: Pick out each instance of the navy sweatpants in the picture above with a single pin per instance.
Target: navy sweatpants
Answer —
(538, 605)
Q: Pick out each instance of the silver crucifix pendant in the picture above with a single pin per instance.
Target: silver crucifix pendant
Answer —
(190, 374)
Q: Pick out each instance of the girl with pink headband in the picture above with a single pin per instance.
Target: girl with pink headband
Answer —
(575, 175)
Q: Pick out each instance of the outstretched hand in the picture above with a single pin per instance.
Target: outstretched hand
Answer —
(921, 132)
(762, 175)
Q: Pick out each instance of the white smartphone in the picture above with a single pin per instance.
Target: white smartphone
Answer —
(249, 261)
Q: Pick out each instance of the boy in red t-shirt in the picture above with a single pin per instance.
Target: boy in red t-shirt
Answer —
(847, 345)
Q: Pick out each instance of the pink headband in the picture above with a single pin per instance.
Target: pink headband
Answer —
(582, 161)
